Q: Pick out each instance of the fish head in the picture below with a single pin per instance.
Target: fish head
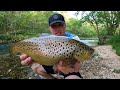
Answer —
(19, 47)
(14, 49)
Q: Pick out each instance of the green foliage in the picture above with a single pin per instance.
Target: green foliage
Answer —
(87, 31)
(5, 37)
(23, 24)
(115, 42)
(109, 19)
(81, 29)
(73, 26)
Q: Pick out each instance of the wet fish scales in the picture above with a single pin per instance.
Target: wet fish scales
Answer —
(49, 50)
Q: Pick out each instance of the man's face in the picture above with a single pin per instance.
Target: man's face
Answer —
(57, 29)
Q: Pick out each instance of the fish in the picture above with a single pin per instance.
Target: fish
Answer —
(49, 50)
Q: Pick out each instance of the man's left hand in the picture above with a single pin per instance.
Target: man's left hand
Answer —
(61, 68)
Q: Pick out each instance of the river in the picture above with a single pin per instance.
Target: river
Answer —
(90, 42)
(4, 48)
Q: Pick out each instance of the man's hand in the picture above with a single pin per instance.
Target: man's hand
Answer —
(36, 67)
(61, 68)
(26, 60)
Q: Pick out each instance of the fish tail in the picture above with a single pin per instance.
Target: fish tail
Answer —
(11, 49)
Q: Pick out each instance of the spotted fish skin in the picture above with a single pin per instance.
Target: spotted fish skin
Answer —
(49, 50)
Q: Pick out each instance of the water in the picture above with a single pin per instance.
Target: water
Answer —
(4, 47)
(90, 42)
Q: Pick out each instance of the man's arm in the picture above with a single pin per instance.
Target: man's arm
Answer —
(36, 67)
(72, 77)
(69, 72)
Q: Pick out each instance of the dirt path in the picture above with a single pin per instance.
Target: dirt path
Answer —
(104, 65)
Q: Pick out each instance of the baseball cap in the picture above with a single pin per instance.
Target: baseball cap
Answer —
(56, 18)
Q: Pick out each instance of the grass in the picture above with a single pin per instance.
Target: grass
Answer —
(115, 42)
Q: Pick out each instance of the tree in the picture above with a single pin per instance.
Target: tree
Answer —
(108, 19)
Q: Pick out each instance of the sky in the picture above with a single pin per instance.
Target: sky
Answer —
(70, 14)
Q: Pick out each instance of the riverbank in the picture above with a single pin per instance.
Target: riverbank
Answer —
(104, 65)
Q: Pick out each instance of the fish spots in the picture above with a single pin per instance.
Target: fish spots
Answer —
(72, 54)
(67, 50)
(71, 48)
(54, 49)
(58, 43)
(77, 51)
(51, 48)
(73, 42)
(48, 48)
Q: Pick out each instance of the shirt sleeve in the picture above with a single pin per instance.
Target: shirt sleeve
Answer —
(73, 36)
(76, 38)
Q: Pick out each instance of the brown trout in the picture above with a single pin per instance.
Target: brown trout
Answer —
(49, 50)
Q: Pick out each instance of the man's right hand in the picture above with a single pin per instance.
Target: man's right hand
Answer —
(36, 67)
(26, 60)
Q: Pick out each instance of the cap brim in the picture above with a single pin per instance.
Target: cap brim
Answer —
(57, 22)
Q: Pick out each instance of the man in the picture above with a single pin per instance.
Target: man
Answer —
(57, 27)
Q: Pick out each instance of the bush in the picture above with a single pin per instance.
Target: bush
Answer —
(115, 42)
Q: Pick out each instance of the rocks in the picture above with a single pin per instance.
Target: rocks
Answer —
(105, 64)
(11, 68)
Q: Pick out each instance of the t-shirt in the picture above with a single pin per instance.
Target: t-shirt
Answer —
(73, 36)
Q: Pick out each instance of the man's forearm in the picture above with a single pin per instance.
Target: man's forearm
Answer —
(72, 77)
(47, 76)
